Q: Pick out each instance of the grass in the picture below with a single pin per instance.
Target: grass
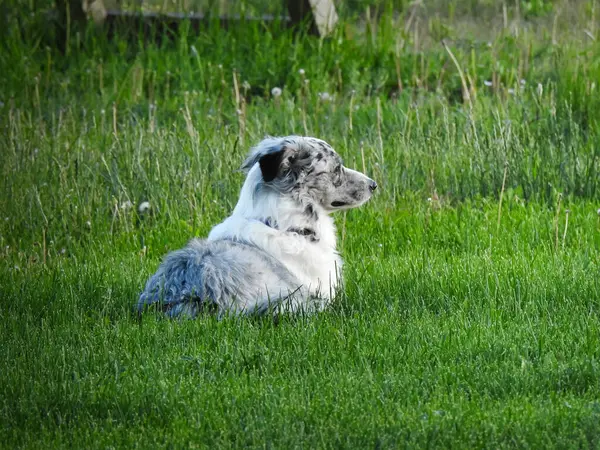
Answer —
(470, 314)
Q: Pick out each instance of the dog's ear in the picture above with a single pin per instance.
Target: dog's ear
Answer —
(270, 164)
(271, 154)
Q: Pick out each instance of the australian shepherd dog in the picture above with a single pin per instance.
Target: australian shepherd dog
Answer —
(277, 250)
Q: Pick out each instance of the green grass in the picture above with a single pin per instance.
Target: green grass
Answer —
(470, 313)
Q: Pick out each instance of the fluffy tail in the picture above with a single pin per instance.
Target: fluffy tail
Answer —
(177, 287)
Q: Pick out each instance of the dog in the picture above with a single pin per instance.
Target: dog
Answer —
(277, 250)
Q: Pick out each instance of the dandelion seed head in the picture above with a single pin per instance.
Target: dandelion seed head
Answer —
(126, 205)
(325, 96)
(144, 206)
(488, 83)
(301, 72)
(276, 92)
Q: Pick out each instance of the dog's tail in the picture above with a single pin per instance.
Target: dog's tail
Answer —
(177, 287)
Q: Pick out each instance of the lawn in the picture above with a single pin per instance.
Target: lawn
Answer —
(470, 315)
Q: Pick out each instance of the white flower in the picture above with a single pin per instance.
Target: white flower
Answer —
(523, 82)
(511, 91)
(301, 72)
(325, 97)
(488, 83)
(144, 206)
(88, 224)
(126, 205)
(276, 92)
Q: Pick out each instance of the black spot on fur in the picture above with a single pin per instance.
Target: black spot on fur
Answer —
(319, 156)
(310, 212)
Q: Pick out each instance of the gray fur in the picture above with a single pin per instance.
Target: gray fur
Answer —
(219, 272)
(312, 172)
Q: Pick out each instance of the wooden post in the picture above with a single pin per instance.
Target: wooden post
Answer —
(321, 14)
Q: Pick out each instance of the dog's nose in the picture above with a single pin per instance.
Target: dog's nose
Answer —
(372, 185)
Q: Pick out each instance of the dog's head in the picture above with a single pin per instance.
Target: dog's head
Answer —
(309, 170)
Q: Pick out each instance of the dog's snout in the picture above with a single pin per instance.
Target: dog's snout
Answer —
(372, 185)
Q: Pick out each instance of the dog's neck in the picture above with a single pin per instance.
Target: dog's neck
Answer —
(283, 213)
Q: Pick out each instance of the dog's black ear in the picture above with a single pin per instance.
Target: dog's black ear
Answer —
(270, 164)
(276, 158)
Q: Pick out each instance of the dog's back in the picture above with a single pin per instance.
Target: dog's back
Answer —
(235, 276)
